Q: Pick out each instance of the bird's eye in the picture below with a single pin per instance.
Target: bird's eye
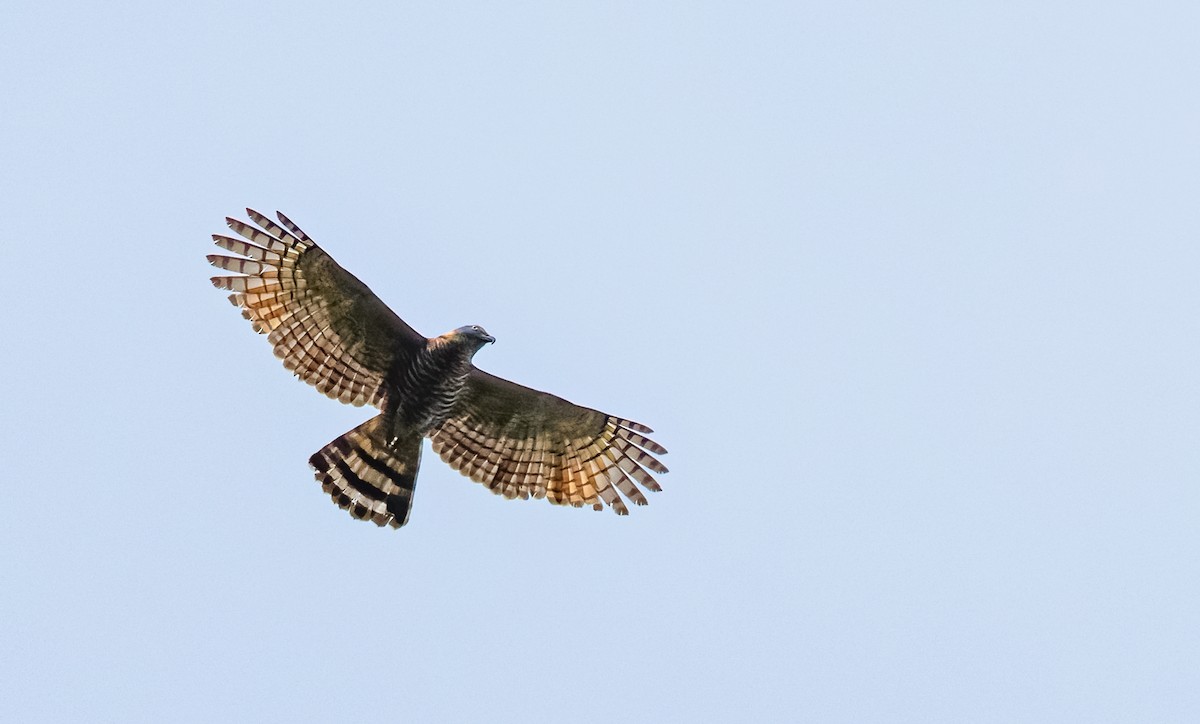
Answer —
(476, 328)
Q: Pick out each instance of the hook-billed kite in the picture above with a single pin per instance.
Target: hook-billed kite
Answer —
(335, 334)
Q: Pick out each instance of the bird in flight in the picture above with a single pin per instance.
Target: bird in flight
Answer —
(332, 332)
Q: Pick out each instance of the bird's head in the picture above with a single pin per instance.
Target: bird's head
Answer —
(473, 335)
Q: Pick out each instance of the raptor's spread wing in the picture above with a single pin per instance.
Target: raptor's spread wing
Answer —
(521, 442)
(326, 325)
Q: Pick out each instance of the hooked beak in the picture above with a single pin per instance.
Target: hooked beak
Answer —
(489, 339)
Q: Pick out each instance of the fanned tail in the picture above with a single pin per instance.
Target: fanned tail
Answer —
(368, 476)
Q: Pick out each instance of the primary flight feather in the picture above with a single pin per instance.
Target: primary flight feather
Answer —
(335, 334)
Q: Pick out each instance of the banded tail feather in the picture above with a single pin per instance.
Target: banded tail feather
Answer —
(369, 477)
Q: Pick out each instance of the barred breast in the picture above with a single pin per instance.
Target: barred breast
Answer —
(422, 394)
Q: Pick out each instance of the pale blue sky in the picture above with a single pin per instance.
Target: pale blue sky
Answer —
(908, 290)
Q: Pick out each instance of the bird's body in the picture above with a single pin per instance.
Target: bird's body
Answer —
(335, 334)
(422, 392)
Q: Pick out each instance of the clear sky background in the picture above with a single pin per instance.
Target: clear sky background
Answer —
(909, 290)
